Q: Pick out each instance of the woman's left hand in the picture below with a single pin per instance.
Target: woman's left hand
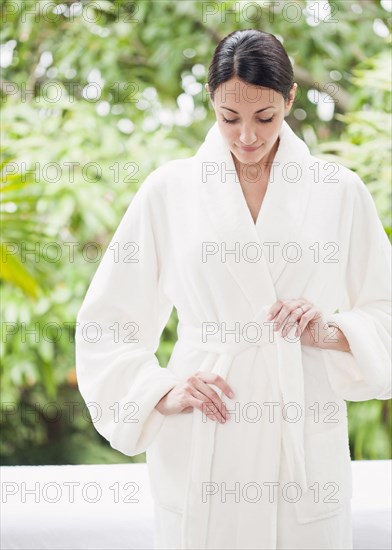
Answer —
(311, 328)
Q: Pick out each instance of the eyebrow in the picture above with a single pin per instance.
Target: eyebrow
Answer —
(259, 111)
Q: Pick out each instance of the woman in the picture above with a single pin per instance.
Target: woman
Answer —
(279, 269)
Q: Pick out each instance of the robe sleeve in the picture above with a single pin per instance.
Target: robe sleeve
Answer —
(118, 329)
(365, 317)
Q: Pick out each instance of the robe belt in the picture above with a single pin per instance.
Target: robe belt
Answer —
(290, 373)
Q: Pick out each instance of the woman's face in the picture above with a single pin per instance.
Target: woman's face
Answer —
(250, 117)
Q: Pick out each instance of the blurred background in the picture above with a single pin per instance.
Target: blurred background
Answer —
(94, 96)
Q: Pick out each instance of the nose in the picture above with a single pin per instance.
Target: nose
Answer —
(248, 136)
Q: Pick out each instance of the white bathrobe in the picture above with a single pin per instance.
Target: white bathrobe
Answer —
(278, 473)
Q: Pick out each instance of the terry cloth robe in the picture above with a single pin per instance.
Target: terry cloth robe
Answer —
(277, 474)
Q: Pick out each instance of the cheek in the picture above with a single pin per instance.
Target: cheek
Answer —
(271, 131)
(229, 132)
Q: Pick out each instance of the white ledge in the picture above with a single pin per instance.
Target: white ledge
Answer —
(110, 507)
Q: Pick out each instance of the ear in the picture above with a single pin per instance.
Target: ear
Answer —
(290, 101)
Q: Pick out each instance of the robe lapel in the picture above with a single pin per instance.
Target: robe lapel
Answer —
(223, 201)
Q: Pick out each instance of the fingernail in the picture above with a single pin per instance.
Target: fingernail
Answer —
(231, 394)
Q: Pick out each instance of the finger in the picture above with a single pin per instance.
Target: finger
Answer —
(213, 378)
(274, 309)
(211, 398)
(310, 315)
(308, 332)
(285, 314)
(200, 405)
(207, 406)
(295, 316)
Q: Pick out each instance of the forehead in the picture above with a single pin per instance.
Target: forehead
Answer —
(236, 94)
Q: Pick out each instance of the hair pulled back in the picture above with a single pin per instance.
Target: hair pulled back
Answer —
(255, 57)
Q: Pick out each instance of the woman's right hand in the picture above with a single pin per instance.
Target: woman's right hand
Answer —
(196, 393)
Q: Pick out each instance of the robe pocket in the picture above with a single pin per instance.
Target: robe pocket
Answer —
(168, 457)
(328, 468)
(168, 460)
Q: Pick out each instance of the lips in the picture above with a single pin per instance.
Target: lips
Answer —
(249, 149)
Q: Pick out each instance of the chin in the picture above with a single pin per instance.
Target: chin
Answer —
(249, 156)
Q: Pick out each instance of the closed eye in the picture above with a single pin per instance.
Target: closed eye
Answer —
(258, 120)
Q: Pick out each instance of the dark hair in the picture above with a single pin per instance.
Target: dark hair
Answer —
(255, 57)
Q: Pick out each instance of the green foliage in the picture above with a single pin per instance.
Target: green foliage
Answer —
(365, 143)
(369, 429)
(18, 194)
(72, 162)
